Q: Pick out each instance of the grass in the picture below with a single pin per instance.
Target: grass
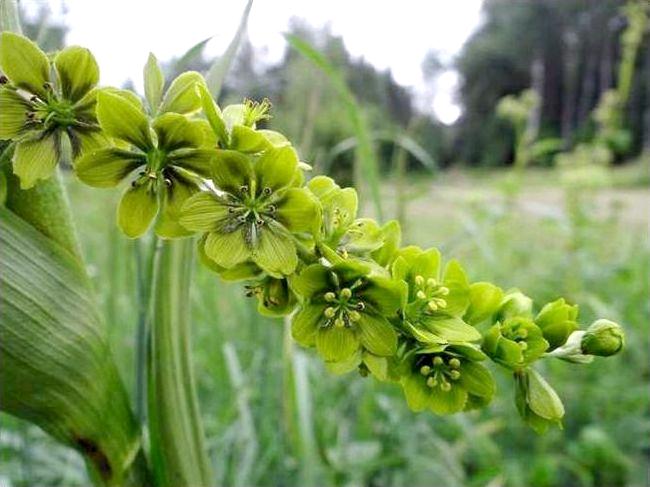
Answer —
(274, 416)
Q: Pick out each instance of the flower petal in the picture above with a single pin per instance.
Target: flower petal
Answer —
(311, 280)
(36, 159)
(477, 379)
(276, 168)
(456, 281)
(181, 188)
(416, 391)
(246, 139)
(275, 252)
(336, 343)
(122, 119)
(227, 249)
(451, 328)
(202, 212)
(198, 161)
(154, 82)
(176, 131)
(231, 170)
(14, 110)
(182, 96)
(305, 324)
(299, 211)
(78, 72)
(84, 141)
(137, 209)
(213, 114)
(377, 335)
(386, 295)
(24, 63)
(448, 402)
(105, 168)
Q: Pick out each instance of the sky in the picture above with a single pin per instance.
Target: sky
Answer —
(387, 33)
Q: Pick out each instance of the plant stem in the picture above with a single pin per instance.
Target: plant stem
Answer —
(177, 443)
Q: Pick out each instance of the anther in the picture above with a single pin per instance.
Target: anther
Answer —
(419, 280)
(431, 282)
(432, 306)
(243, 189)
(33, 98)
(431, 382)
(267, 191)
(168, 182)
(231, 209)
(3, 80)
(30, 115)
(523, 345)
(445, 386)
(425, 370)
(47, 86)
(354, 316)
(249, 294)
(444, 291)
(437, 360)
(361, 306)
(454, 363)
(330, 296)
(454, 374)
(259, 222)
(339, 322)
(133, 184)
(421, 295)
(272, 208)
(346, 293)
(329, 312)
(441, 303)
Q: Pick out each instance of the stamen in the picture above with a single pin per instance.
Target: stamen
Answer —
(339, 322)
(445, 386)
(361, 306)
(3, 80)
(329, 312)
(432, 306)
(437, 360)
(421, 295)
(330, 296)
(168, 182)
(425, 370)
(419, 280)
(243, 189)
(432, 382)
(454, 363)
(454, 374)
(267, 191)
(431, 282)
(346, 293)
(354, 316)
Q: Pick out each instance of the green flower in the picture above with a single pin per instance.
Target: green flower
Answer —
(168, 154)
(515, 343)
(274, 297)
(557, 320)
(43, 104)
(255, 212)
(515, 303)
(437, 299)
(603, 338)
(537, 402)
(446, 379)
(346, 309)
(236, 126)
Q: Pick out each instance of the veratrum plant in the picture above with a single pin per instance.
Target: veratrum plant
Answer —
(400, 314)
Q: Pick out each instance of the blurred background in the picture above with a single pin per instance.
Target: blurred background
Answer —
(512, 134)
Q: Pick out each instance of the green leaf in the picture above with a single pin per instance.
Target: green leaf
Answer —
(105, 168)
(57, 370)
(276, 168)
(542, 398)
(299, 211)
(122, 119)
(176, 132)
(484, 299)
(14, 110)
(36, 159)
(305, 324)
(231, 170)
(202, 212)
(173, 197)
(24, 63)
(451, 328)
(227, 249)
(275, 252)
(137, 209)
(336, 344)
(377, 335)
(182, 96)
(78, 72)
(154, 82)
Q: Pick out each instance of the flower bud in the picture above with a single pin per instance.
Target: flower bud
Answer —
(515, 303)
(603, 338)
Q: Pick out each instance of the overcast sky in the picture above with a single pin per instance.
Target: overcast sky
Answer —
(393, 34)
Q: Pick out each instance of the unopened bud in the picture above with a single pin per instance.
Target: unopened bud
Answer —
(603, 338)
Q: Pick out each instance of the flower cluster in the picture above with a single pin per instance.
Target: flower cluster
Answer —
(354, 293)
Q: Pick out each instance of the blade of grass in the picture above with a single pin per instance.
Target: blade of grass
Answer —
(366, 165)
(217, 72)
